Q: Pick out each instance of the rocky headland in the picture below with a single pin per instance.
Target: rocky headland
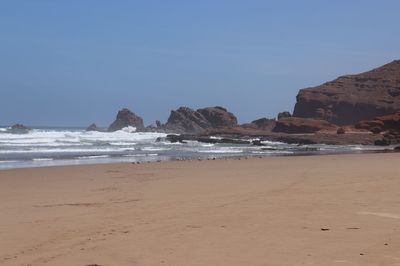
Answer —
(352, 98)
(352, 109)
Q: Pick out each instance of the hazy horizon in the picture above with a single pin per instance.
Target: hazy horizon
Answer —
(73, 63)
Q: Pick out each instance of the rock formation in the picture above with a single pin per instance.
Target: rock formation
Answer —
(19, 129)
(264, 124)
(92, 127)
(126, 118)
(383, 123)
(218, 117)
(187, 120)
(388, 125)
(340, 131)
(352, 98)
(284, 115)
(297, 125)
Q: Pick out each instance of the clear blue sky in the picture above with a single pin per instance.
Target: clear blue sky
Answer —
(76, 62)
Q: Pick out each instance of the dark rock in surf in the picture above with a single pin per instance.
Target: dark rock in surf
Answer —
(127, 118)
(19, 129)
(92, 127)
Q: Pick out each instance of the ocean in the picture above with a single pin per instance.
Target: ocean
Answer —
(46, 146)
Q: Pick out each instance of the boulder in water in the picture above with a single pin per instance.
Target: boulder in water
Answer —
(92, 127)
(19, 129)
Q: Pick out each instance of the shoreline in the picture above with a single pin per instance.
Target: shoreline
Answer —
(118, 160)
(286, 210)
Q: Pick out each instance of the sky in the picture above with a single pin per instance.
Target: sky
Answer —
(72, 62)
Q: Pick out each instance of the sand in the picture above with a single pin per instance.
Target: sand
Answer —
(311, 210)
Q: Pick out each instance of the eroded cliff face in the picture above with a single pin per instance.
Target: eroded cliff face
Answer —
(352, 98)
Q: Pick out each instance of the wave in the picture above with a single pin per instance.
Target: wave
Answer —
(222, 150)
(153, 149)
(70, 150)
(42, 159)
(140, 155)
(93, 157)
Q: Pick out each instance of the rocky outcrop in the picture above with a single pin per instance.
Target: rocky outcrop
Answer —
(19, 129)
(388, 125)
(127, 118)
(352, 98)
(297, 125)
(218, 117)
(187, 120)
(92, 127)
(284, 115)
(340, 131)
(382, 123)
(263, 124)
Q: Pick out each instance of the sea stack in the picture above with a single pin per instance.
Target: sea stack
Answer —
(92, 127)
(19, 129)
(187, 120)
(125, 118)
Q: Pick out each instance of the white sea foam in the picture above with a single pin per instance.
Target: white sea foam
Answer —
(222, 150)
(140, 155)
(93, 157)
(128, 129)
(123, 143)
(73, 146)
(153, 149)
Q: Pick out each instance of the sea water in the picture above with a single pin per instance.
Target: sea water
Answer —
(70, 146)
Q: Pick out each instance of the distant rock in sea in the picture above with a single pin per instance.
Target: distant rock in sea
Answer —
(352, 98)
(187, 120)
(19, 129)
(126, 118)
(92, 127)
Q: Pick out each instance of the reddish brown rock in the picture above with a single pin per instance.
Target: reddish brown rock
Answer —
(352, 98)
(340, 131)
(127, 118)
(284, 115)
(263, 124)
(299, 125)
(382, 123)
(218, 117)
(389, 125)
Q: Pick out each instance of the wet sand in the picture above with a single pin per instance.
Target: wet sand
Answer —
(310, 210)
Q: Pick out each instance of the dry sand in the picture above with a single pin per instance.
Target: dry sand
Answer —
(315, 210)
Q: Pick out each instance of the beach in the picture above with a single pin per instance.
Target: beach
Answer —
(288, 210)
